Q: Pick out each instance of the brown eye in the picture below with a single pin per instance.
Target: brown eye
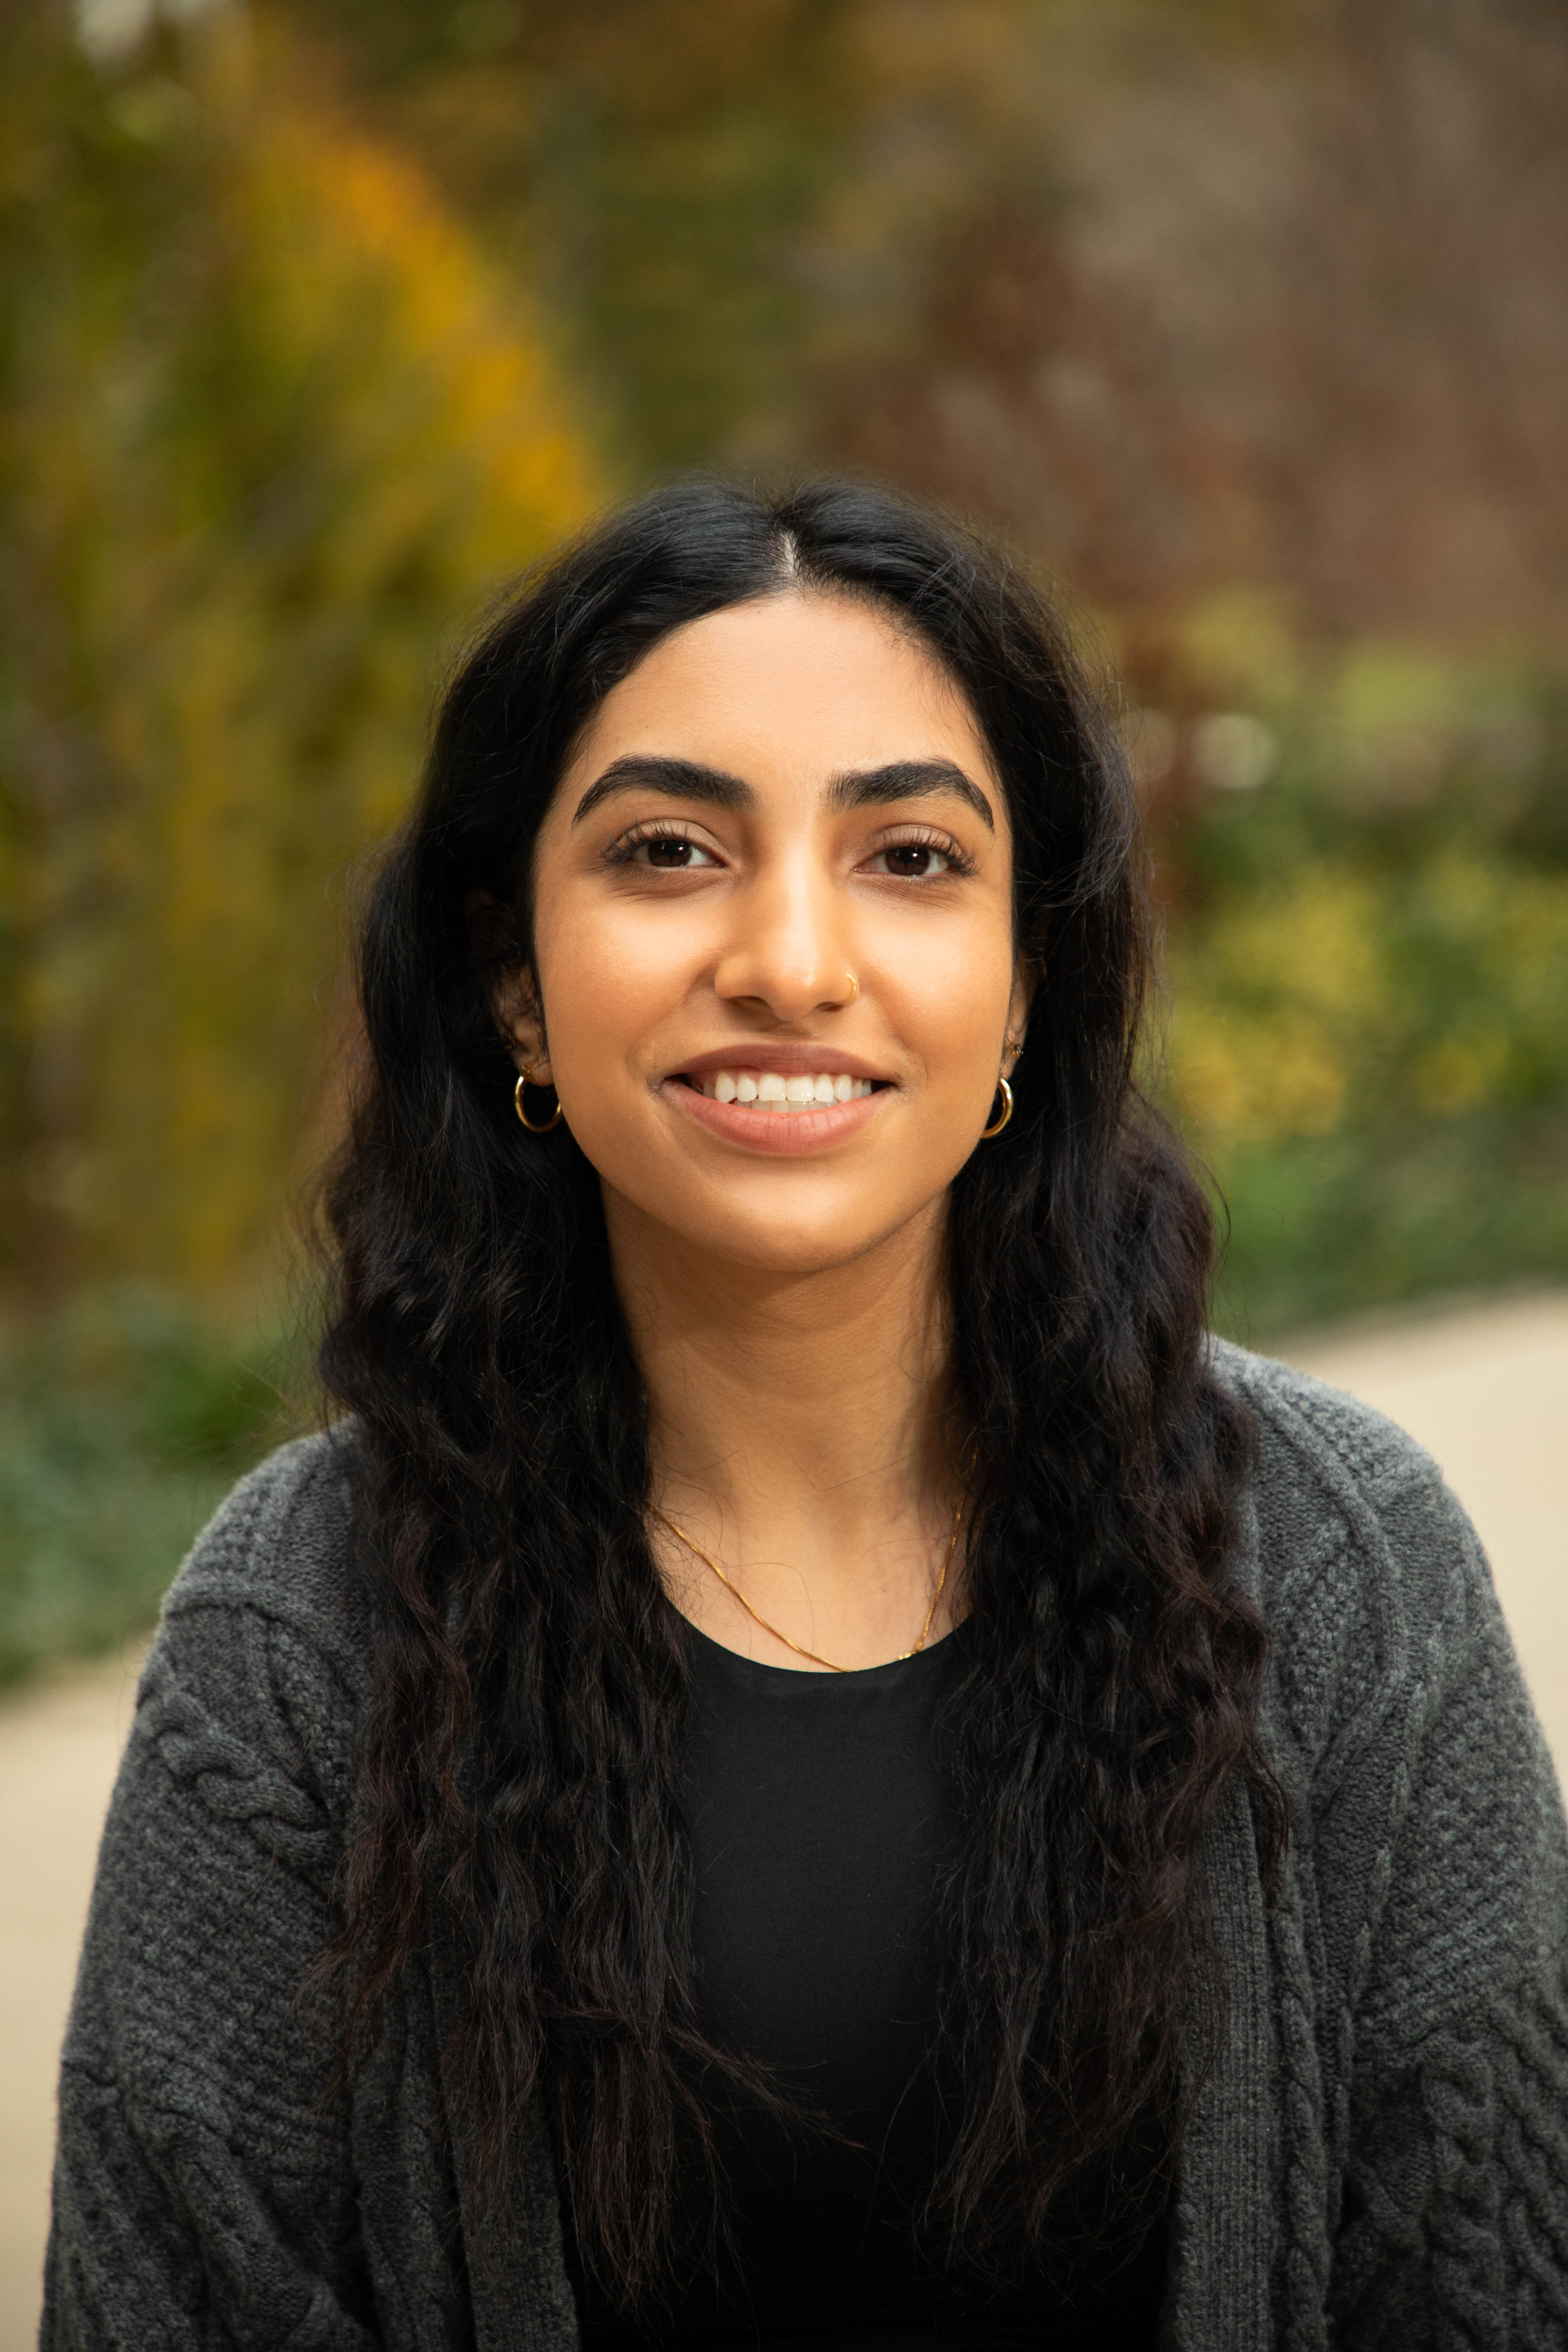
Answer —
(911, 861)
(670, 854)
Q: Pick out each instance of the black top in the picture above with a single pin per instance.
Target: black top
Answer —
(821, 1825)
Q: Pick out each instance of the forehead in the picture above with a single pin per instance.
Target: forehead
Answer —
(791, 687)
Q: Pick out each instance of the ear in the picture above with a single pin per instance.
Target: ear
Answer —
(514, 999)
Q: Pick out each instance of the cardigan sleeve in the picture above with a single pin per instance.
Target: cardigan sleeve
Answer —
(1454, 2222)
(203, 2195)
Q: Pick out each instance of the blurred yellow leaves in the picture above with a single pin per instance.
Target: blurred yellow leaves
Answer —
(1458, 1073)
(1268, 999)
(1333, 997)
(1256, 1080)
(278, 428)
(441, 398)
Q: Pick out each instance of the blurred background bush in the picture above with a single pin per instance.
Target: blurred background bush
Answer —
(1245, 318)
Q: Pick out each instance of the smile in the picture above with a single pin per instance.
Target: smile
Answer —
(782, 1113)
(776, 1091)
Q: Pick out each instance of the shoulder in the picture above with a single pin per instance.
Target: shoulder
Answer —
(1395, 1710)
(279, 1545)
(1368, 1574)
(264, 1649)
(1332, 1473)
(1319, 1442)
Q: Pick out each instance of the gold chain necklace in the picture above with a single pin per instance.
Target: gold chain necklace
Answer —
(708, 1561)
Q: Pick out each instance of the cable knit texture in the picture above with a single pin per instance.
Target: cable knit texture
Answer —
(1379, 2157)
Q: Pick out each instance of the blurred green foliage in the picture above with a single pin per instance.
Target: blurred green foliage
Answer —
(1369, 981)
(123, 1420)
(657, 170)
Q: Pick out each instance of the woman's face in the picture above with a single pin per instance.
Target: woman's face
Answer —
(772, 933)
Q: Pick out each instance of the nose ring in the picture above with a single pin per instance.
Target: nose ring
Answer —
(854, 986)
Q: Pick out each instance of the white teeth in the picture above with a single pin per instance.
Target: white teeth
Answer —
(785, 1094)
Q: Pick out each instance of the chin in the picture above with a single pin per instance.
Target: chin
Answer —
(795, 1246)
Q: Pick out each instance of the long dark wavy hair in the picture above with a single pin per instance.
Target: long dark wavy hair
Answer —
(520, 1765)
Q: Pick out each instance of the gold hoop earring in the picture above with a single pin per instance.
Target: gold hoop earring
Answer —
(1005, 1091)
(534, 1127)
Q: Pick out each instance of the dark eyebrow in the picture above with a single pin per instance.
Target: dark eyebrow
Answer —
(910, 779)
(901, 779)
(683, 780)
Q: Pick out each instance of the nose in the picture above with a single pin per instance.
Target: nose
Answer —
(787, 954)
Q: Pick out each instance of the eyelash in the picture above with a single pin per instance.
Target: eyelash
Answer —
(926, 836)
(622, 850)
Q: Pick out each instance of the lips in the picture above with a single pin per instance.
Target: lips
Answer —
(781, 1112)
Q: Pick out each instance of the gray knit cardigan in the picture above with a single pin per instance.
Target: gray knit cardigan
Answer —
(1379, 2159)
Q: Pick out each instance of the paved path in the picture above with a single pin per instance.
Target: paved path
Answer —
(59, 1745)
(1486, 1389)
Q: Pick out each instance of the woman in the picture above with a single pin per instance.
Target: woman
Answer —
(809, 1761)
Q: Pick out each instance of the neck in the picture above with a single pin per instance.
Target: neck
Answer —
(797, 1430)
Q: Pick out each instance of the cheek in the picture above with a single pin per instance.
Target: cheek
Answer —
(952, 1002)
(606, 978)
